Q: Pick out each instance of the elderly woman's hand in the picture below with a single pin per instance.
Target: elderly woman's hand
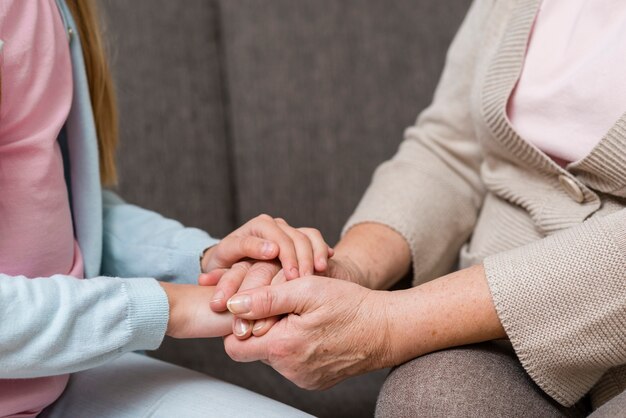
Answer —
(334, 329)
(301, 251)
(270, 240)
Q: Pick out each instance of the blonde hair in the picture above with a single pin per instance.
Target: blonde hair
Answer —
(101, 89)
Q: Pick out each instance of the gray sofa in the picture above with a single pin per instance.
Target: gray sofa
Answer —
(230, 108)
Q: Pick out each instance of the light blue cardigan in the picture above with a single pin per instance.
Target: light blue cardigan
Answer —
(60, 324)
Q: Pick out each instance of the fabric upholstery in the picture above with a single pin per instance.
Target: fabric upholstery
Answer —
(230, 108)
(173, 156)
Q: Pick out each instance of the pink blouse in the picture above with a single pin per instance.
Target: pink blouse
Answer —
(36, 231)
(572, 90)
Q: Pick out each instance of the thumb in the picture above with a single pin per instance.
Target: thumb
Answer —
(264, 302)
(234, 248)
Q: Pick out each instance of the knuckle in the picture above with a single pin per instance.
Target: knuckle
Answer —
(265, 301)
(247, 245)
(280, 221)
(264, 217)
(311, 231)
(300, 237)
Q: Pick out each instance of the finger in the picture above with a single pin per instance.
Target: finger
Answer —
(242, 328)
(260, 274)
(266, 227)
(211, 278)
(237, 247)
(304, 248)
(261, 326)
(263, 302)
(228, 285)
(252, 349)
(321, 250)
(279, 278)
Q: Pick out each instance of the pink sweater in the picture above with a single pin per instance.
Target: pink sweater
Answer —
(571, 89)
(36, 231)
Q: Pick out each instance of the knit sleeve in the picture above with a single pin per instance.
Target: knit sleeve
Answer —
(430, 191)
(562, 302)
(60, 324)
(142, 243)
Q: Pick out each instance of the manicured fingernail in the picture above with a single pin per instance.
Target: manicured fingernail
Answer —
(294, 272)
(241, 327)
(268, 248)
(258, 325)
(218, 296)
(239, 304)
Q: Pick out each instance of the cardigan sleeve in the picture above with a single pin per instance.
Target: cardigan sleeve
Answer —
(562, 302)
(60, 324)
(142, 243)
(430, 191)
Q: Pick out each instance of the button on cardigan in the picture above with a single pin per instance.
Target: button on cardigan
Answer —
(552, 239)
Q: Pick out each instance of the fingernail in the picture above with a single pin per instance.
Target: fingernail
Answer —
(241, 327)
(258, 325)
(218, 296)
(239, 304)
(268, 247)
(294, 272)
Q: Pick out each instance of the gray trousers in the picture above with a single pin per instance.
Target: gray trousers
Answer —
(482, 380)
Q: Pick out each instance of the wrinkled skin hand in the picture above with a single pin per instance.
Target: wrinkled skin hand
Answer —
(242, 276)
(301, 251)
(247, 275)
(333, 329)
(297, 246)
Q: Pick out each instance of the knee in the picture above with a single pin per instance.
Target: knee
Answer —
(483, 380)
(411, 390)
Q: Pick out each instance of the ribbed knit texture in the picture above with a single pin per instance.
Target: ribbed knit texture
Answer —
(148, 313)
(555, 266)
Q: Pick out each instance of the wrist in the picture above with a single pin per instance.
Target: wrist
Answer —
(382, 253)
(343, 267)
(383, 346)
(173, 323)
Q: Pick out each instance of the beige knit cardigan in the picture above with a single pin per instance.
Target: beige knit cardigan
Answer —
(552, 239)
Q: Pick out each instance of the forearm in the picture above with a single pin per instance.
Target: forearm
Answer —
(61, 324)
(453, 310)
(141, 243)
(380, 254)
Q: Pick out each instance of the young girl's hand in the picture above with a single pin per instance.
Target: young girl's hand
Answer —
(301, 251)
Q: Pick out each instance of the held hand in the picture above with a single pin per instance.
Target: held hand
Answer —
(243, 276)
(301, 251)
(190, 315)
(334, 329)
